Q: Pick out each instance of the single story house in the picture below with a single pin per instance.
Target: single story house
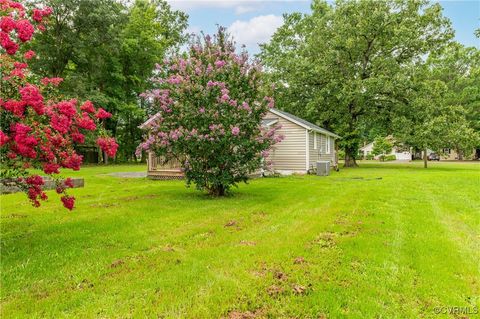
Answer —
(304, 144)
(401, 153)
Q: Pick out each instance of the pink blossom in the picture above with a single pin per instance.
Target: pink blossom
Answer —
(9, 46)
(235, 130)
(174, 79)
(219, 64)
(102, 114)
(24, 30)
(7, 24)
(29, 54)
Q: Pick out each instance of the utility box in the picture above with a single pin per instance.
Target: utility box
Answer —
(323, 168)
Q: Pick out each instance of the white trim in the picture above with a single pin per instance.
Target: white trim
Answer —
(327, 151)
(271, 123)
(315, 143)
(303, 125)
(307, 150)
(149, 121)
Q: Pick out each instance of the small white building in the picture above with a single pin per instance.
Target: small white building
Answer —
(401, 153)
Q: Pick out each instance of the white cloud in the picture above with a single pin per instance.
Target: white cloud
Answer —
(239, 5)
(256, 30)
(193, 29)
(244, 9)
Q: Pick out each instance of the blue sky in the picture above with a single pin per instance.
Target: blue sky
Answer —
(253, 22)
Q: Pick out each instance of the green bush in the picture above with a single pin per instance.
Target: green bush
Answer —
(388, 157)
(369, 157)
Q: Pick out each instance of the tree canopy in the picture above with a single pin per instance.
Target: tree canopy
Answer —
(346, 65)
(106, 52)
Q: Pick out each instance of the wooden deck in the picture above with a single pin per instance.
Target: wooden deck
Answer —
(159, 170)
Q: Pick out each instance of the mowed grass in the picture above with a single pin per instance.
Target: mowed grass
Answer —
(379, 241)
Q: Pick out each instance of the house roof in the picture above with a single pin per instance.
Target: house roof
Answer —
(266, 122)
(364, 147)
(305, 124)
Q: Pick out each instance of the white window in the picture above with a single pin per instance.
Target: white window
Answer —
(328, 144)
(315, 144)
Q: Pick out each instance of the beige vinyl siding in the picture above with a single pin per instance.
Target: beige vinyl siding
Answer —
(320, 154)
(289, 154)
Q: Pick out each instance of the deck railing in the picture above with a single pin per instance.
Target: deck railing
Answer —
(157, 164)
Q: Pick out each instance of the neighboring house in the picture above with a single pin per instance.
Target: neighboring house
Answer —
(303, 145)
(449, 154)
(401, 153)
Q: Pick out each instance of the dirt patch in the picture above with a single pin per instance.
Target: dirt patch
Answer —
(245, 314)
(117, 263)
(280, 276)
(129, 174)
(299, 260)
(168, 248)
(274, 290)
(231, 223)
(85, 284)
(299, 289)
(247, 243)
(326, 240)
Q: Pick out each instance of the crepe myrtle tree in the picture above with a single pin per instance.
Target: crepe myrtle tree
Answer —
(36, 129)
(210, 104)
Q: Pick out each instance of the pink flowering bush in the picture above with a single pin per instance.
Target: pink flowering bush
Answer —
(37, 130)
(210, 106)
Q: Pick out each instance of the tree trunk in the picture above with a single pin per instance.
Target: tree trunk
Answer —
(425, 158)
(460, 154)
(350, 158)
(217, 191)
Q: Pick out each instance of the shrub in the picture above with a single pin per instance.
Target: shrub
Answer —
(369, 157)
(210, 104)
(387, 157)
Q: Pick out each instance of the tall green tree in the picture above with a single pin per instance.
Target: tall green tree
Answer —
(459, 68)
(443, 105)
(381, 146)
(343, 65)
(106, 52)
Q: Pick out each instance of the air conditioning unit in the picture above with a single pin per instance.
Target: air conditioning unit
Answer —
(323, 168)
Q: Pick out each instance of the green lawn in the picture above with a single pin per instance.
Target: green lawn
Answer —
(394, 244)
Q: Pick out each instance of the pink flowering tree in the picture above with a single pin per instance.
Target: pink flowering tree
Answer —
(37, 131)
(210, 104)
